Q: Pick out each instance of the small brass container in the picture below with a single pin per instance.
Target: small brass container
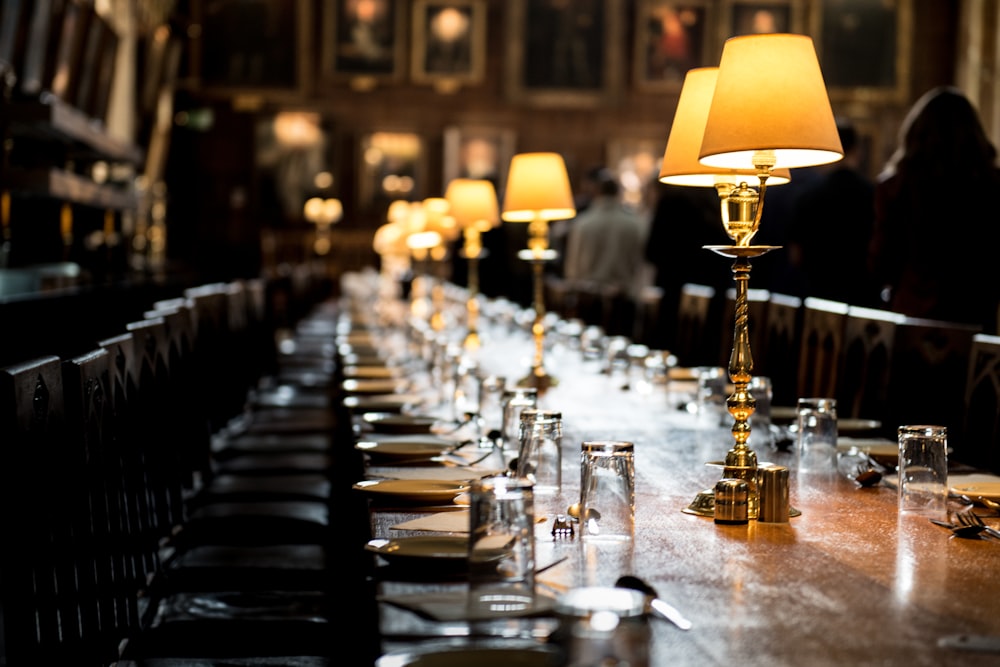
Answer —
(732, 501)
(774, 503)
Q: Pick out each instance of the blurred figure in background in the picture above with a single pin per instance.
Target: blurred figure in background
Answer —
(936, 234)
(683, 220)
(604, 251)
(831, 227)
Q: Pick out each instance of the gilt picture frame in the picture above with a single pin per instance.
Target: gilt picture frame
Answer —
(564, 54)
(863, 46)
(448, 42)
(478, 151)
(268, 55)
(364, 43)
(393, 165)
(671, 37)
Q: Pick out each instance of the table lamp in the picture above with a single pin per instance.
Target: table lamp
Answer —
(768, 112)
(474, 207)
(437, 218)
(538, 192)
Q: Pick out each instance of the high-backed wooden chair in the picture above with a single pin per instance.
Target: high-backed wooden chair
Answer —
(699, 326)
(929, 373)
(49, 591)
(863, 375)
(820, 344)
(776, 355)
(979, 442)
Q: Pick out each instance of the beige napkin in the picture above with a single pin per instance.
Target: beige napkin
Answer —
(451, 606)
(444, 522)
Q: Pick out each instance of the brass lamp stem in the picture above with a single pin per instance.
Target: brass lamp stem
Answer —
(741, 461)
(538, 253)
(473, 248)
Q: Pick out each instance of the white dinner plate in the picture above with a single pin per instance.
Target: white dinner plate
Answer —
(422, 549)
(374, 385)
(982, 489)
(371, 372)
(406, 447)
(413, 490)
(395, 423)
(382, 402)
(874, 446)
(480, 656)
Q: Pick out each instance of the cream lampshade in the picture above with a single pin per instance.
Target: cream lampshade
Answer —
(537, 188)
(680, 164)
(770, 107)
(473, 204)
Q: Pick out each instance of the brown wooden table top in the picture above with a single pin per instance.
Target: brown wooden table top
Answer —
(848, 582)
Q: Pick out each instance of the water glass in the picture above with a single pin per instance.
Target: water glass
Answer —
(501, 546)
(490, 419)
(760, 421)
(607, 490)
(514, 401)
(923, 470)
(817, 435)
(539, 453)
(713, 382)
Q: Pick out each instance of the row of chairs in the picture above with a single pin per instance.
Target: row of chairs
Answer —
(167, 494)
(879, 364)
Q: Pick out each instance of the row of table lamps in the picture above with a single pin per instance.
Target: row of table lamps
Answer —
(738, 128)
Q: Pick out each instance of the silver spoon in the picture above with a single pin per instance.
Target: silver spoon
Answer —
(657, 604)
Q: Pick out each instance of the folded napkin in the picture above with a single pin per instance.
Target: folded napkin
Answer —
(442, 473)
(452, 606)
(444, 522)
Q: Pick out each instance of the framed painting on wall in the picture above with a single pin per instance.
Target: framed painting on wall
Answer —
(863, 47)
(392, 167)
(449, 42)
(564, 53)
(635, 161)
(364, 41)
(670, 38)
(756, 17)
(478, 152)
(268, 53)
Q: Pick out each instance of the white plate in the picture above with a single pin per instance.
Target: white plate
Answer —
(874, 446)
(408, 447)
(413, 490)
(390, 422)
(374, 385)
(498, 656)
(370, 372)
(975, 489)
(419, 549)
(382, 402)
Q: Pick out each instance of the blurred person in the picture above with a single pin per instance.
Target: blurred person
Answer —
(831, 226)
(604, 250)
(684, 219)
(935, 238)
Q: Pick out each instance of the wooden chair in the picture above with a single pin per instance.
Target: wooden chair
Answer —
(979, 442)
(49, 563)
(929, 373)
(820, 345)
(698, 326)
(776, 354)
(863, 375)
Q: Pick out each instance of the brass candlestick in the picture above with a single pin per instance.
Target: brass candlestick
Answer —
(537, 254)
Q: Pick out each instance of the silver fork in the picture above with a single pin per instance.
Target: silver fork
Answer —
(970, 518)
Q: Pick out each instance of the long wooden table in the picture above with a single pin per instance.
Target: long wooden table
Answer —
(850, 581)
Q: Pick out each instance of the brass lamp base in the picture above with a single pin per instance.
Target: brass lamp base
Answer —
(538, 378)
